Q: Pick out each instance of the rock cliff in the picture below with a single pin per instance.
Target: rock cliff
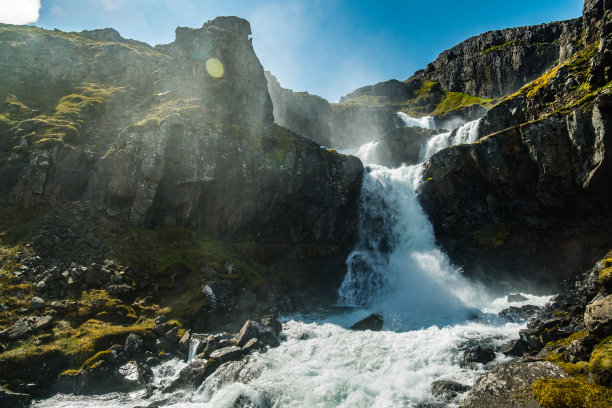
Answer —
(531, 199)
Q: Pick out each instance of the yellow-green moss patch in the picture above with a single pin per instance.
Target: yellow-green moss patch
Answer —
(492, 236)
(570, 393)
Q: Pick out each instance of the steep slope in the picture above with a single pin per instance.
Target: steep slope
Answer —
(530, 200)
(134, 177)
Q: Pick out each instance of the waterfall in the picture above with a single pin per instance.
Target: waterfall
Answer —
(193, 347)
(396, 265)
(467, 133)
(426, 122)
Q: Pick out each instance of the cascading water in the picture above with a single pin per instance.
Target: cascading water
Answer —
(431, 314)
(467, 133)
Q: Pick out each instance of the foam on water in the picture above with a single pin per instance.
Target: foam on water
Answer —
(431, 315)
(426, 122)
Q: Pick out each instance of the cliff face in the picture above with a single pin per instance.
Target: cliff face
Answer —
(181, 134)
(531, 199)
(498, 63)
(335, 125)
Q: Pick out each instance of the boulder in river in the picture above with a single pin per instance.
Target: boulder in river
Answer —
(373, 322)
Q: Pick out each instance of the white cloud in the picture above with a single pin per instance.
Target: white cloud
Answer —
(19, 11)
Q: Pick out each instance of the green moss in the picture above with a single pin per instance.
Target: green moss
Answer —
(492, 236)
(570, 393)
(605, 276)
(97, 359)
(456, 100)
(601, 358)
(497, 47)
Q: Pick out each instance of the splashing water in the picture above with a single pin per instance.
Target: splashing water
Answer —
(431, 314)
(426, 122)
(467, 133)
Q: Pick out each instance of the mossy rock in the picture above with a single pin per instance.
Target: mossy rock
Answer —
(600, 364)
(571, 393)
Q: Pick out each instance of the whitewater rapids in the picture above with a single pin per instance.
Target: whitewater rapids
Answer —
(431, 315)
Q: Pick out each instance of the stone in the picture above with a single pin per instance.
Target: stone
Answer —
(447, 390)
(14, 399)
(514, 348)
(598, 315)
(252, 329)
(519, 314)
(43, 323)
(478, 354)
(231, 353)
(580, 349)
(133, 344)
(373, 322)
(37, 303)
(507, 383)
(272, 322)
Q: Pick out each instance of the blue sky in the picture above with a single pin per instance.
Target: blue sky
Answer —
(325, 47)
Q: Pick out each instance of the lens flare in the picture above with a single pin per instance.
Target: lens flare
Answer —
(214, 67)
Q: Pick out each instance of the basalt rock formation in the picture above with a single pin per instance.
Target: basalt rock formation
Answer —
(530, 200)
(134, 179)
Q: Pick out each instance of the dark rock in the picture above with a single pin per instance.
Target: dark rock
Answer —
(513, 348)
(193, 374)
(373, 322)
(447, 390)
(402, 145)
(272, 322)
(133, 344)
(255, 330)
(516, 298)
(530, 340)
(122, 291)
(215, 293)
(184, 342)
(507, 383)
(43, 323)
(172, 335)
(14, 399)
(252, 345)
(478, 355)
(580, 349)
(231, 353)
(519, 314)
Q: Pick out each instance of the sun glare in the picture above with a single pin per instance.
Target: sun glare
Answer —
(214, 67)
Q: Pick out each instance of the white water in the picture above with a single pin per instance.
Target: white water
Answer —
(193, 346)
(431, 315)
(426, 122)
(467, 133)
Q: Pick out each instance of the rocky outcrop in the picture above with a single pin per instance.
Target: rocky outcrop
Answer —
(180, 134)
(343, 125)
(508, 384)
(531, 193)
(498, 63)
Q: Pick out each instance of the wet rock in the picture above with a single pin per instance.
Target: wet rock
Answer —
(373, 322)
(172, 335)
(128, 376)
(478, 354)
(183, 343)
(516, 298)
(14, 399)
(133, 344)
(121, 291)
(231, 353)
(215, 293)
(193, 374)
(252, 345)
(514, 348)
(214, 342)
(272, 322)
(530, 340)
(507, 383)
(255, 330)
(447, 390)
(519, 314)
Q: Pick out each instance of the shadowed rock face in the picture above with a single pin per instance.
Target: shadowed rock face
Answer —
(530, 200)
(186, 136)
(498, 63)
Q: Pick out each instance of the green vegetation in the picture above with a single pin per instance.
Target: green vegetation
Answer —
(456, 100)
(497, 47)
(571, 393)
(601, 358)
